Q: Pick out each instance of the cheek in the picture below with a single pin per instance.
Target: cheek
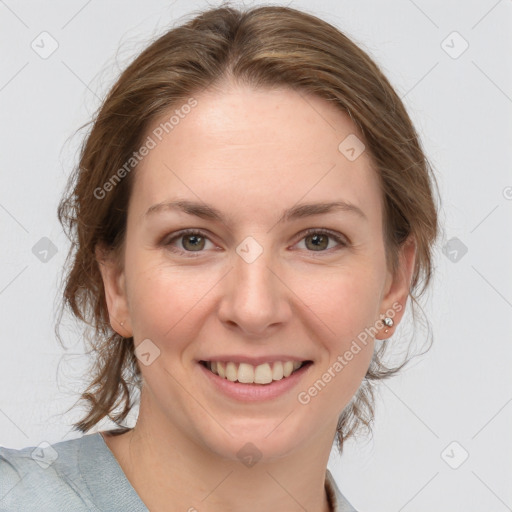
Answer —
(345, 301)
(346, 309)
(345, 304)
(163, 298)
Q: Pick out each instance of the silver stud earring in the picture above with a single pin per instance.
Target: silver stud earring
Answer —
(388, 322)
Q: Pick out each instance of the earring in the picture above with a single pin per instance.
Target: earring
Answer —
(122, 323)
(389, 322)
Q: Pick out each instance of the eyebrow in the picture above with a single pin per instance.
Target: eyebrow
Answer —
(208, 212)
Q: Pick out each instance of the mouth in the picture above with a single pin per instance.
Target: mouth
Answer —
(263, 374)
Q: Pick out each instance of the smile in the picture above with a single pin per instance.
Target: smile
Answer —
(249, 374)
(244, 382)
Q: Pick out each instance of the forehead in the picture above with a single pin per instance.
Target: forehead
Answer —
(256, 150)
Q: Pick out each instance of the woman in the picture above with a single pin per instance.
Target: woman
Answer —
(251, 211)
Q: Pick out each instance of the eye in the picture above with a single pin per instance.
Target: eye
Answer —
(319, 239)
(194, 241)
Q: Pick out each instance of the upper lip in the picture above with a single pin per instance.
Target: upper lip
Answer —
(255, 361)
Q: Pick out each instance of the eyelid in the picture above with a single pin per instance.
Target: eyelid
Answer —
(339, 238)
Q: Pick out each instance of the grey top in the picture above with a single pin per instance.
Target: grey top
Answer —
(82, 475)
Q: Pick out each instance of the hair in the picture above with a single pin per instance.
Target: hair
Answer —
(264, 47)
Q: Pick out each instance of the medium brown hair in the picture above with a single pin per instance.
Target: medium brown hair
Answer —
(265, 47)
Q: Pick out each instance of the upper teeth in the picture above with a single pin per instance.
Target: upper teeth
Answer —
(248, 374)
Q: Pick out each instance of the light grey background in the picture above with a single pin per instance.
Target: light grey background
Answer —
(461, 391)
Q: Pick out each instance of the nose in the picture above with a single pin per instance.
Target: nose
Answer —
(255, 298)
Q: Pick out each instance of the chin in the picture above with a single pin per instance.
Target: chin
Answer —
(254, 441)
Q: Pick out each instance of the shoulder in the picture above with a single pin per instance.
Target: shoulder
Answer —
(44, 477)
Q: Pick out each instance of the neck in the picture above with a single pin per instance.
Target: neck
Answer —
(172, 471)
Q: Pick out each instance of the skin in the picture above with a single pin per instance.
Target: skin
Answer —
(251, 154)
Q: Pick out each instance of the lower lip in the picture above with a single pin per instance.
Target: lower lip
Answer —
(255, 392)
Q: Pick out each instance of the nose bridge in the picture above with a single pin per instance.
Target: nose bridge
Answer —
(253, 274)
(255, 298)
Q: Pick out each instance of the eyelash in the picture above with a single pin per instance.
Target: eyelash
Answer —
(320, 231)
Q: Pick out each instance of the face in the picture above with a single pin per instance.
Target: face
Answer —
(253, 284)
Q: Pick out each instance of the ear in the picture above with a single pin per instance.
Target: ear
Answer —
(397, 287)
(115, 291)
